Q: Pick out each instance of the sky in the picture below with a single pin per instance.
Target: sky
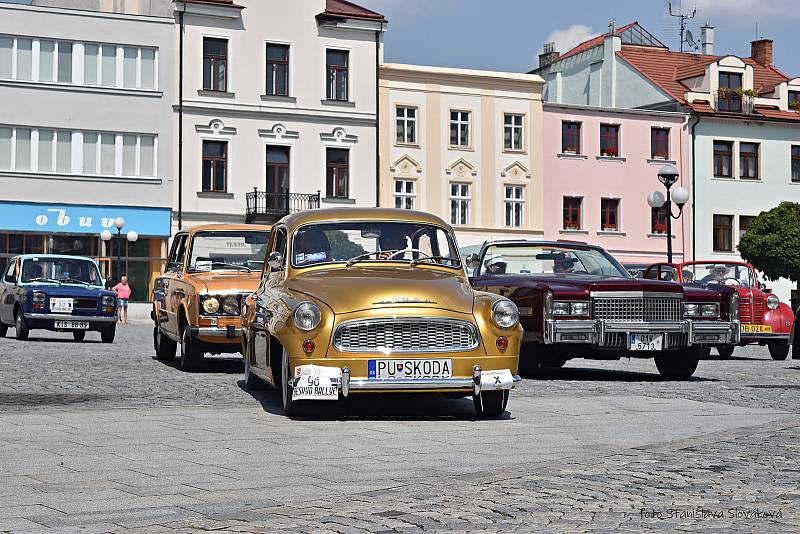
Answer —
(508, 35)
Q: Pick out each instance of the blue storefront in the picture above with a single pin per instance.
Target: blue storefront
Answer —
(28, 227)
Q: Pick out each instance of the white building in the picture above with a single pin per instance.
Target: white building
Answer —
(86, 130)
(278, 97)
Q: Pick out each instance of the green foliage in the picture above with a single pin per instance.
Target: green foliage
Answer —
(341, 246)
(772, 243)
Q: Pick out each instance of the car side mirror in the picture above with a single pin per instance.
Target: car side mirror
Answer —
(275, 260)
(473, 261)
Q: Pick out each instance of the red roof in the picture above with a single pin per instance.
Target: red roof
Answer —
(774, 113)
(343, 9)
(594, 41)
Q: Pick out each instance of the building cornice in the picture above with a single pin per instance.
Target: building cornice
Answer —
(310, 115)
(85, 13)
(486, 79)
(617, 111)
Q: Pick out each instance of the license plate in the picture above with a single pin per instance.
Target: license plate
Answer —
(72, 325)
(647, 342)
(409, 369)
(61, 305)
(756, 329)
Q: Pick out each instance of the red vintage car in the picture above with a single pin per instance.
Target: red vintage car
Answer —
(765, 320)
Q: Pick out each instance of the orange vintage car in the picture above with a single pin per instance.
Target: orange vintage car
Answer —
(370, 300)
(197, 299)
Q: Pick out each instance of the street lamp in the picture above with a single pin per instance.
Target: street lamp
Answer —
(132, 237)
(668, 175)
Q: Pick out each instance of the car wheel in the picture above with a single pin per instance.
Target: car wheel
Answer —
(778, 350)
(289, 406)
(78, 335)
(190, 353)
(706, 352)
(21, 326)
(725, 351)
(679, 364)
(251, 381)
(107, 335)
(165, 347)
(3, 330)
(491, 403)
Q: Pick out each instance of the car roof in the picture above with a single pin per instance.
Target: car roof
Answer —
(59, 256)
(296, 220)
(539, 242)
(226, 227)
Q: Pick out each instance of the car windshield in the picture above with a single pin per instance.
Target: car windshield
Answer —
(61, 271)
(239, 250)
(732, 274)
(566, 261)
(355, 241)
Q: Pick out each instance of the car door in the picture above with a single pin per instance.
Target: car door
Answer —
(271, 280)
(7, 291)
(171, 285)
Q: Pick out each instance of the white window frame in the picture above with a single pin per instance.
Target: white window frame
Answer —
(457, 123)
(406, 120)
(462, 203)
(514, 206)
(403, 195)
(513, 127)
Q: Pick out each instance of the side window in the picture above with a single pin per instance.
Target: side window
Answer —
(279, 245)
(11, 273)
(176, 255)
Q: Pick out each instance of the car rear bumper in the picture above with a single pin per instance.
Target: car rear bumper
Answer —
(678, 334)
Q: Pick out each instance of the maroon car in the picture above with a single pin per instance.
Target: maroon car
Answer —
(576, 301)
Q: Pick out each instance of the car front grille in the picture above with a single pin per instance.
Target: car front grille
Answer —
(637, 309)
(618, 340)
(406, 334)
(751, 310)
(84, 304)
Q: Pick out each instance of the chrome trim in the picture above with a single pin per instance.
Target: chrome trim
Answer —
(728, 329)
(474, 333)
(596, 330)
(345, 381)
(76, 318)
(213, 331)
(766, 335)
(634, 294)
(476, 378)
(420, 383)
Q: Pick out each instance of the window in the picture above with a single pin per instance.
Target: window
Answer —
(47, 60)
(6, 51)
(129, 58)
(659, 143)
(108, 154)
(108, 66)
(459, 128)
(148, 68)
(215, 64)
(337, 182)
(794, 96)
(609, 140)
(64, 151)
(337, 62)
(658, 220)
(723, 233)
(277, 170)
(609, 214)
(727, 98)
(46, 138)
(215, 166)
(277, 69)
(748, 161)
(745, 221)
(23, 155)
(24, 59)
(570, 138)
(64, 62)
(406, 125)
(512, 131)
(514, 203)
(572, 213)
(129, 155)
(6, 135)
(459, 203)
(404, 196)
(796, 164)
(723, 158)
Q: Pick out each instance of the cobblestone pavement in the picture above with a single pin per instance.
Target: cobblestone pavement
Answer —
(99, 438)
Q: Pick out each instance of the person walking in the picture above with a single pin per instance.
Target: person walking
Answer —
(123, 291)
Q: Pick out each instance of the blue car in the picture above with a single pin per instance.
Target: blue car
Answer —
(57, 293)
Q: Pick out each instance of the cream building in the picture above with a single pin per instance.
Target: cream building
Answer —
(465, 145)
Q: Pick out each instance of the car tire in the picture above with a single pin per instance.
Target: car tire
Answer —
(778, 350)
(530, 363)
(706, 352)
(251, 381)
(725, 351)
(679, 364)
(22, 327)
(3, 330)
(289, 406)
(78, 335)
(191, 356)
(491, 403)
(164, 346)
(107, 335)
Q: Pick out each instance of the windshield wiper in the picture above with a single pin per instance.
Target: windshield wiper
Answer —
(225, 264)
(76, 280)
(41, 279)
(360, 257)
(454, 261)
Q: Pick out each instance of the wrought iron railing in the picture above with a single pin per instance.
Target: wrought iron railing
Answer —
(263, 206)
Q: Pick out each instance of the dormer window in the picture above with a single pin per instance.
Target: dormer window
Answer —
(729, 96)
(794, 100)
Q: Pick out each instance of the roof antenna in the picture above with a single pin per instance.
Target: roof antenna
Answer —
(683, 18)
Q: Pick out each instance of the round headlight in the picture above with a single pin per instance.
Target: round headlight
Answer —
(505, 313)
(230, 305)
(306, 316)
(108, 300)
(39, 296)
(211, 305)
(773, 302)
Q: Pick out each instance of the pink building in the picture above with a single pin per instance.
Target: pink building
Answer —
(599, 166)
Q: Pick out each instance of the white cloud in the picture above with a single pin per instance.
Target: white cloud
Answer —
(568, 38)
(747, 10)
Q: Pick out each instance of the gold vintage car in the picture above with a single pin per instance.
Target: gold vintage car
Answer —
(375, 300)
(197, 300)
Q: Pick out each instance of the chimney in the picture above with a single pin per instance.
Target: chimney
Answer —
(548, 55)
(707, 39)
(761, 51)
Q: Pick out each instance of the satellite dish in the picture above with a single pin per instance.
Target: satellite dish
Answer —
(690, 39)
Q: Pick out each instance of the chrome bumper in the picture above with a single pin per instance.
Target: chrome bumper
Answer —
(215, 331)
(715, 332)
(765, 336)
(593, 331)
(79, 318)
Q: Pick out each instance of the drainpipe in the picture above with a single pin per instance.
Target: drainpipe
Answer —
(180, 117)
(694, 188)
(378, 117)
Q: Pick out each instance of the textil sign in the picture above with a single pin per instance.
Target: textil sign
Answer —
(81, 219)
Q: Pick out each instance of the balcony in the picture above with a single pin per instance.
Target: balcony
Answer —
(266, 208)
(731, 101)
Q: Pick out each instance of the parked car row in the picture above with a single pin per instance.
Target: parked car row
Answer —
(327, 304)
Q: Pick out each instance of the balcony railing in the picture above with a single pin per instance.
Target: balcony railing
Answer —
(265, 207)
(733, 103)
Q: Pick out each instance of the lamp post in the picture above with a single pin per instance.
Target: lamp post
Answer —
(132, 237)
(668, 175)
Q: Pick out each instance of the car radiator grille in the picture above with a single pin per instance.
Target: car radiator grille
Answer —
(618, 340)
(406, 335)
(637, 309)
(751, 310)
(84, 304)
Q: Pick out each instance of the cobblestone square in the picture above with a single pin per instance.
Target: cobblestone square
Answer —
(104, 438)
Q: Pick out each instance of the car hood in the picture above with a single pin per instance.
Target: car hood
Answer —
(226, 281)
(359, 288)
(576, 287)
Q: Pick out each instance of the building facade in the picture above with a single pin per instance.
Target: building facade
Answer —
(277, 108)
(86, 134)
(600, 164)
(465, 145)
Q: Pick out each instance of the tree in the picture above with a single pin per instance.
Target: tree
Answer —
(772, 243)
(341, 246)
